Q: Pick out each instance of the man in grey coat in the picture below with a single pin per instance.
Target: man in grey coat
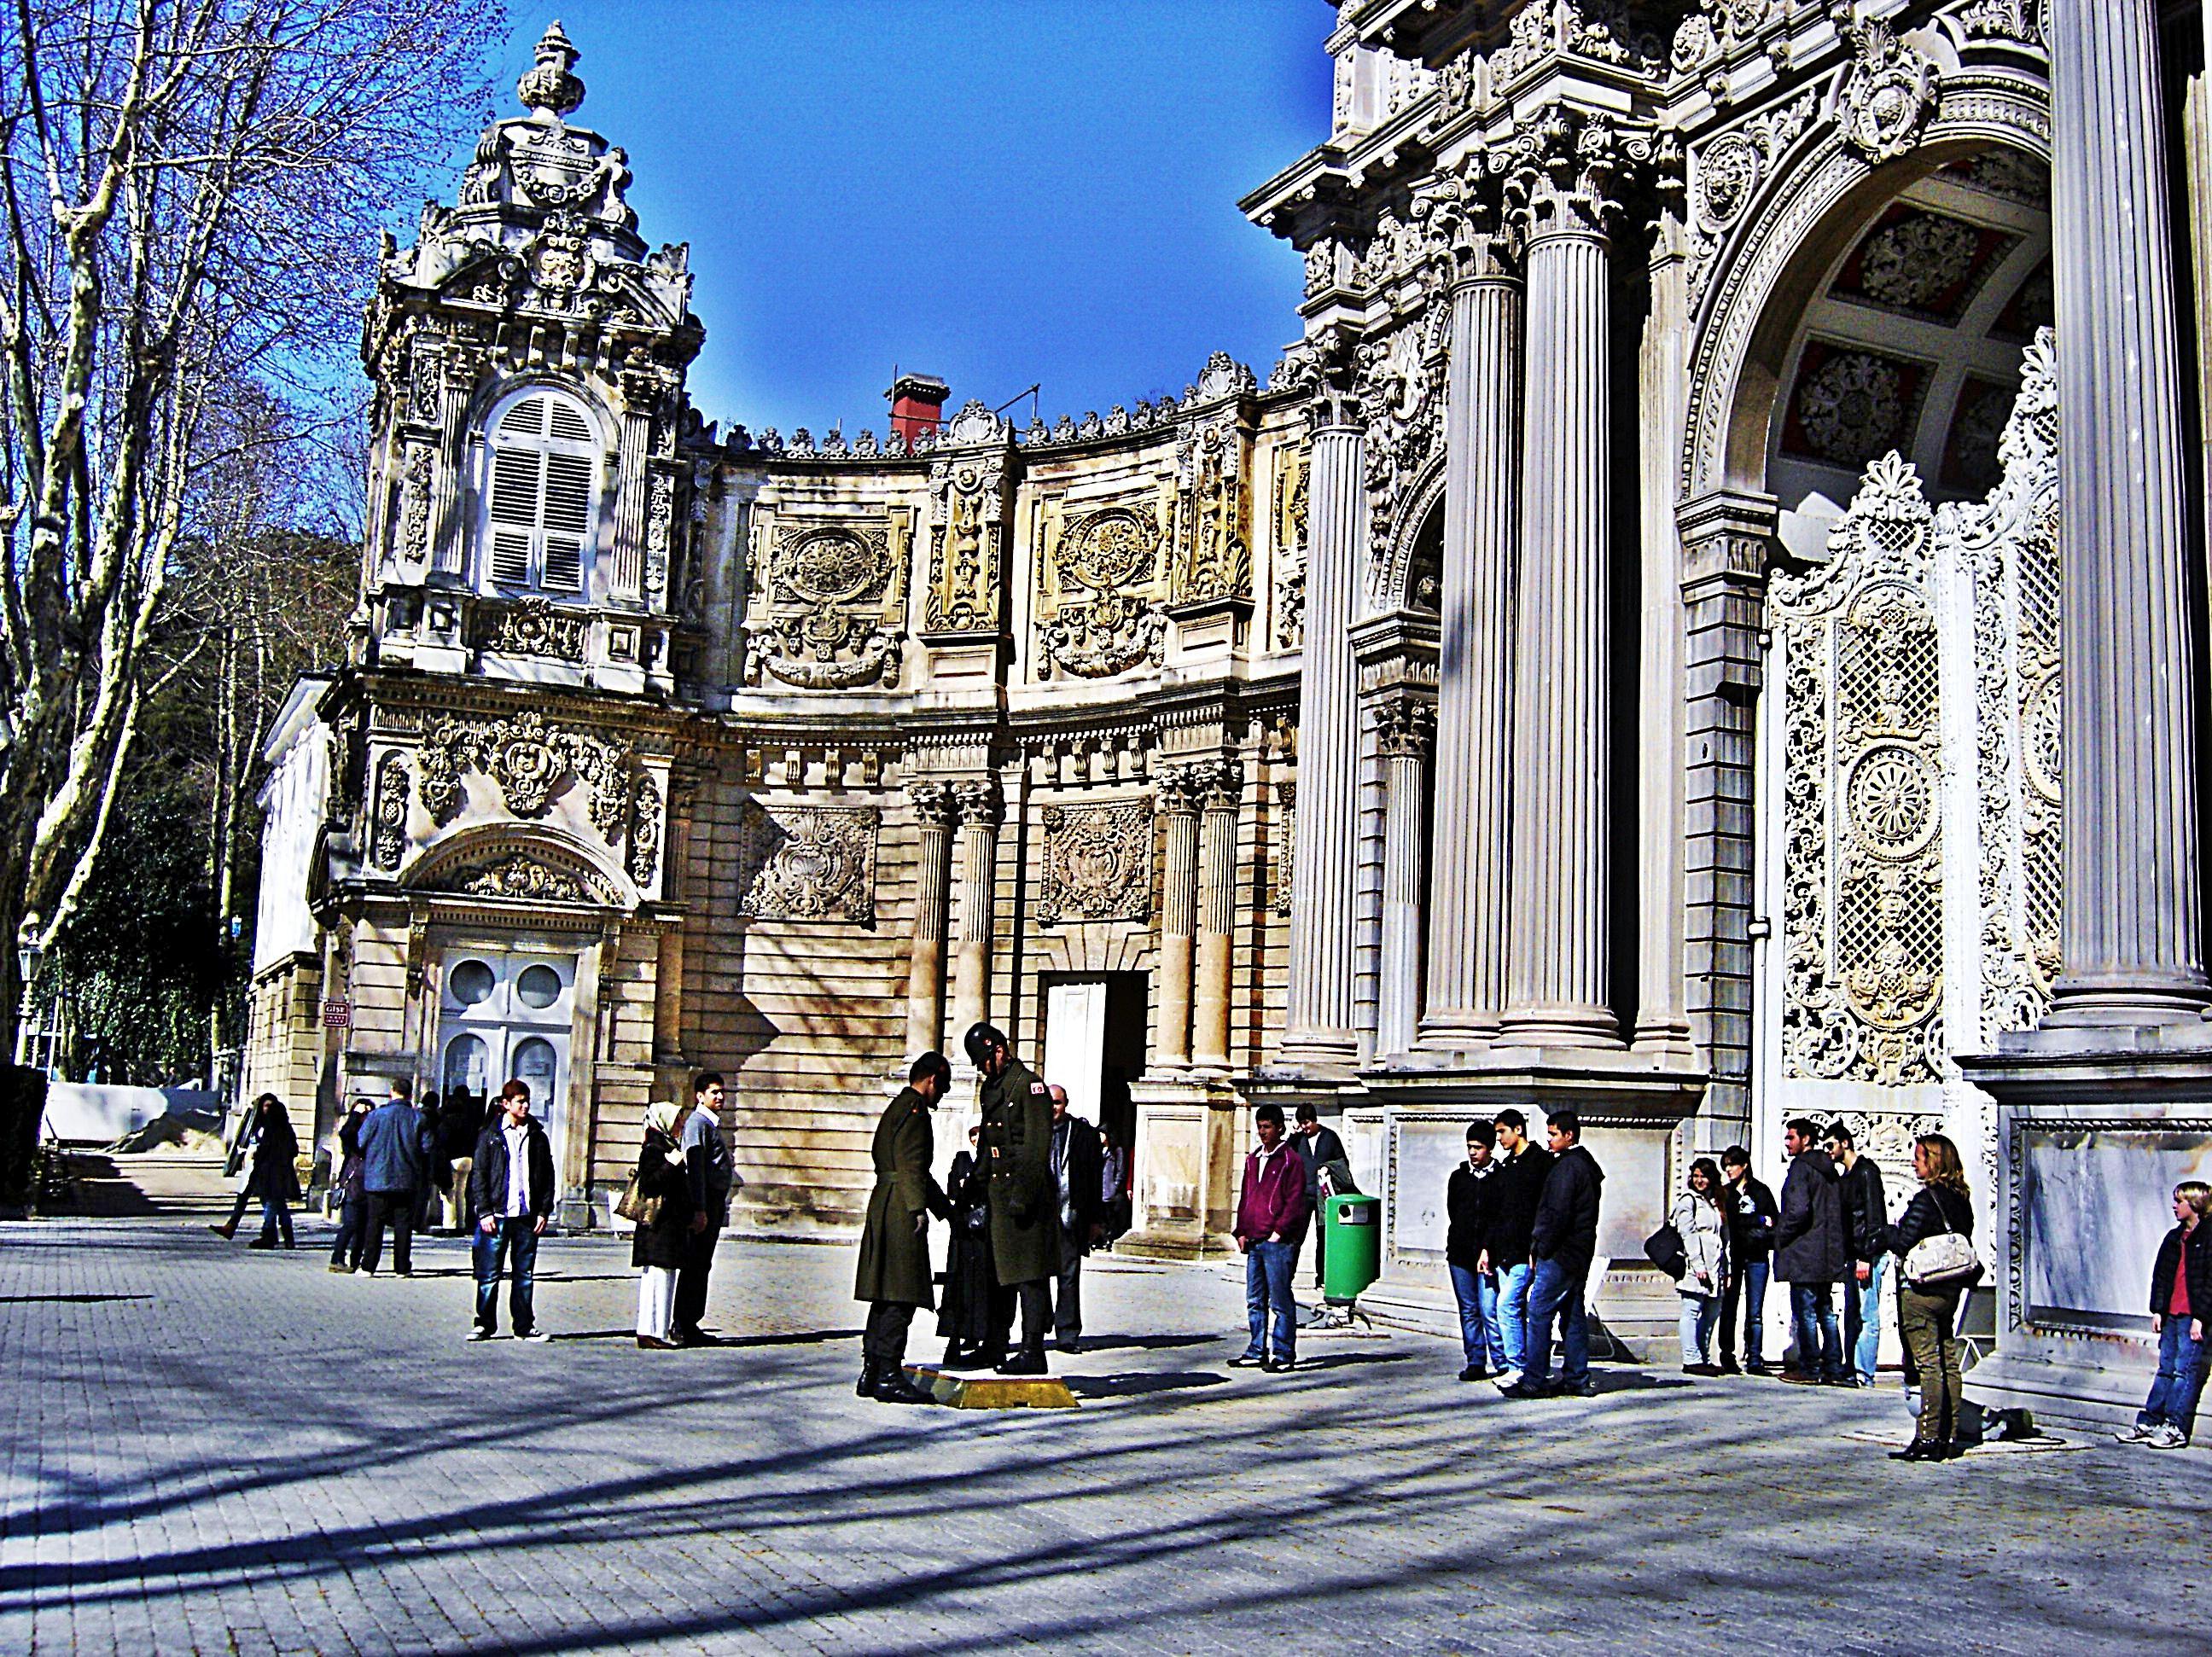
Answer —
(707, 1162)
(1812, 1253)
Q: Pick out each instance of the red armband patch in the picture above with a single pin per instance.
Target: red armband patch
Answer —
(1038, 1087)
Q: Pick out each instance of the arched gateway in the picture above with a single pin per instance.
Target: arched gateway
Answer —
(1613, 661)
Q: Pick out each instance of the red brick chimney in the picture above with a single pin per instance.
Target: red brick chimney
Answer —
(917, 404)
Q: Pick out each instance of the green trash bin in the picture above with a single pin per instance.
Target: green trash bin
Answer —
(1352, 1247)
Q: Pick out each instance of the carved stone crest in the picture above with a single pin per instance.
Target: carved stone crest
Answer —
(528, 758)
(826, 586)
(388, 837)
(1888, 95)
(533, 626)
(1110, 634)
(1097, 863)
(809, 863)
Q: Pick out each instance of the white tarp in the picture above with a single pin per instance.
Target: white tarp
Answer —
(95, 1114)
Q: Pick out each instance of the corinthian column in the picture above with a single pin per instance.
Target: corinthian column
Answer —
(979, 807)
(1474, 699)
(1178, 804)
(1217, 891)
(2133, 949)
(1556, 972)
(925, 982)
(1319, 1030)
(1406, 728)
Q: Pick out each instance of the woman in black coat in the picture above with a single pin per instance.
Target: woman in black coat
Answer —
(964, 1316)
(1928, 1314)
(659, 1247)
(276, 1171)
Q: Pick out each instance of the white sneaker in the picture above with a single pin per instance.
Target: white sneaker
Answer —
(1506, 1378)
(360, 1272)
(2135, 1434)
(477, 1331)
(536, 1337)
(2167, 1437)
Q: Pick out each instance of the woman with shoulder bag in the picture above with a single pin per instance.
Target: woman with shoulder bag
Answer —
(1931, 1238)
(658, 1200)
(1702, 1224)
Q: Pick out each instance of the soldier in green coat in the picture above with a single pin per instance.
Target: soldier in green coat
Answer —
(894, 1275)
(1023, 1198)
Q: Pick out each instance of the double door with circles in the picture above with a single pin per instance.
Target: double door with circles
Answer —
(506, 1015)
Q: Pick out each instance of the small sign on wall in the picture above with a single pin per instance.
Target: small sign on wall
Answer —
(338, 1014)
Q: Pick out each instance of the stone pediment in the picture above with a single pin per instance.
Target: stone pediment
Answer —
(510, 868)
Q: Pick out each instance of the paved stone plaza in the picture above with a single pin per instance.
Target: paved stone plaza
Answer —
(210, 1450)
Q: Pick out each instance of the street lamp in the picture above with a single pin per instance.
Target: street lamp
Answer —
(28, 950)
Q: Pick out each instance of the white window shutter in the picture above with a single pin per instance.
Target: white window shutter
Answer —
(542, 501)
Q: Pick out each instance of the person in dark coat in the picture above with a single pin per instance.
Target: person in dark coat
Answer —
(713, 1175)
(2181, 1310)
(276, 1179)
(1866, 1211)
(345, 1248)
(1468, 1200)
(1928, 1315)
(659, 1247)
(1562, 1245)
(1018, 1171)
(1318, 1147)
(965, 1319)
(1812, 1253)
(1075, 1180)
(894, 1270)
(391, 1172)
(1522, 1169)
(1752, 1214)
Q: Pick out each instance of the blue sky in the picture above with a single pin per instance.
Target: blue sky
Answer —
(996, 191)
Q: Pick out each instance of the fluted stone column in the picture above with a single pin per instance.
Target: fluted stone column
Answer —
(925, 982)
(1473, 751)
(1405, 728)
(2133, 949)
(1217, 915)
(1320, 1029)
(1556, 971)
(980, 809)
(1178, 804)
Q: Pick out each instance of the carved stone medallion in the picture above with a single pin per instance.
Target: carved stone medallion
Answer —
(1097, 863)
(809, 863)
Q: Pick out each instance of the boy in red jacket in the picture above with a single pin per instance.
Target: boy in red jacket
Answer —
(1271, 1212)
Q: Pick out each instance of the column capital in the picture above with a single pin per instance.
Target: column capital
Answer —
(1406, 728)
(932, 804)
(1176, 789)
(979, 803)
(1567, 170)
(1463, 217)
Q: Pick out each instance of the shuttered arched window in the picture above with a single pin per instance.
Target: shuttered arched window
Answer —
(541, 502)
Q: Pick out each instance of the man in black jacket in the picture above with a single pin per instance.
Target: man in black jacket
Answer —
(1812, 1255)
(1858, 1181)
(1562, 1245)
(1522, 1169)
(510, 1187)
(1075, 1174)
(1466, 1207)
(1751, 1216)
(1318, 1147)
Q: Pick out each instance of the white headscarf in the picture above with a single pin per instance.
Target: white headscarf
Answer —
(663, 1113)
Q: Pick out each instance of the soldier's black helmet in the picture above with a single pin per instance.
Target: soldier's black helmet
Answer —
(980, 1041)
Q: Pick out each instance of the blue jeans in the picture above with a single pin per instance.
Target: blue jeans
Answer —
(345, 1248)
(275, 1218)
(1747, 1285)
(2172, 1400)
(1820, 1342)
(1556, 1292)
(516, 1238)
(1267, 1269)
(1513, 1314)
(1699, 1314)
(1478, 1334)
(1863, 1319)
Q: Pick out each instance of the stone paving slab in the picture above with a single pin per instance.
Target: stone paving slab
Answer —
(204, 1450)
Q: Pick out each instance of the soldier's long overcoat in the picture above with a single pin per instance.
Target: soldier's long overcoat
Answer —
(1016, 1149)
(894, 1249)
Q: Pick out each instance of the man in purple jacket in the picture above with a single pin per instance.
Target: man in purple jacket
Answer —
(1271, 1222)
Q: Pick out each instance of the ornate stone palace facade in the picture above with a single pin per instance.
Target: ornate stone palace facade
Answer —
(1614, 659)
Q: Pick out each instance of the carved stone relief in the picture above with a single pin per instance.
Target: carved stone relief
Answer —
(809, 863)
(528, 758)
(1287, 846)
(388, 838)
(644, 860)
(1213, 551)
(1290, 549)
(1097, 862)
(533, 626)
(1888, 95)
(827, 587)
(1099, 585)
(968, 507)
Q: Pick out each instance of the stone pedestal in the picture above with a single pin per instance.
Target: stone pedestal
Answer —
(1190, 1155)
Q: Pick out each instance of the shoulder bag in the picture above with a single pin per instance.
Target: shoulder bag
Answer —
(634, 1205)
(1942, 1259)
(1663, 1249)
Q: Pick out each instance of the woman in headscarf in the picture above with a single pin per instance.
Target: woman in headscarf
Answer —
(658, 1245)
(964, 1316)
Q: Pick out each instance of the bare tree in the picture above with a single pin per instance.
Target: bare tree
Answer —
(191, 192)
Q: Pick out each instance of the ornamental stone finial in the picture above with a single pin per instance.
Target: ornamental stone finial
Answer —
(548, 88)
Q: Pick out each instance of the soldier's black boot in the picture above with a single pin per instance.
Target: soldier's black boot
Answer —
(1030, 1361)
(871, 1373)
(894, 1386)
